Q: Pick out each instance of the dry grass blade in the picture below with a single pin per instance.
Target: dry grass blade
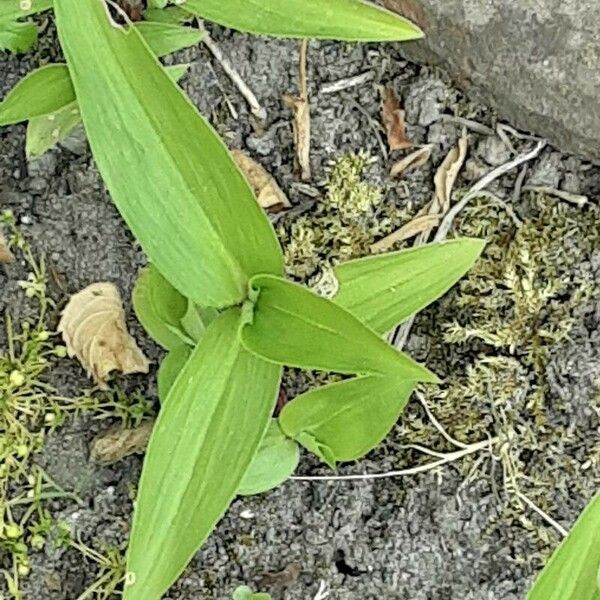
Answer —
(414, 160)
(268, 193)
(6, 256)
(393, 120)
(446, 175)
(300, 106)
(418, 225)
(94, 330)
(115, 444)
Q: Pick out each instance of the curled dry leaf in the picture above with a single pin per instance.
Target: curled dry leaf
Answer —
(269, 195)
(446, 175)
(413, 160)
(115, 444)
(5, 254)
(418, 225)
(393, 119)
(94, 330)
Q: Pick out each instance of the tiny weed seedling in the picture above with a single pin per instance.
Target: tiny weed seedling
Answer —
(214, 295)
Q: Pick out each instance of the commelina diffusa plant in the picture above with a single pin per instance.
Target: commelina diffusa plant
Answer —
(214, 295)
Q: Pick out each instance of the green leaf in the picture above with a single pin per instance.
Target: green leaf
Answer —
(169, 174)
(207, 432)
(15, 9)
(197, 319)
(42, 92)
(160, 308)
(345, 420)
(165, 38)
(176, 72)
(574, 569)
(160, 4)
(170, 367)
(243, 592)
(352, 20)
(276, 460)
(291, 325)
(382, 291)
(16, 36)
(45, 132)
(174, 15)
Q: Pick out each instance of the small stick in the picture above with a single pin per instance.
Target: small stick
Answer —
(255, 108)
(446, 225)
(450, 457)
(437, 424)
(576, 199)
(322, 592)
(348, 82)
(542, 514)
(469, 124)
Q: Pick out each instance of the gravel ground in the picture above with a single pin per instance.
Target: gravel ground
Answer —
(425, 537)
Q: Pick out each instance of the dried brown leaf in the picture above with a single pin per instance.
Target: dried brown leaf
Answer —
(393, 120)
(412, 161)
(115, 444)
(420, 224)
(6, 256)
(269, 195)
(446, 175)
(94, 330)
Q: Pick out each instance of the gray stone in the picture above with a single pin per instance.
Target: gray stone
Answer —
(536, 62)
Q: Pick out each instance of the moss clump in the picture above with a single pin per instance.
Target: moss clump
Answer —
(500, 327)
(340, 227)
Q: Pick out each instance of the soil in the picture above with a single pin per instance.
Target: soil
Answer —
(425, 537)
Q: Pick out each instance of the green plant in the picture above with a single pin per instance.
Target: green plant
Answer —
(245, 593)
(215, 295)
(573, 571)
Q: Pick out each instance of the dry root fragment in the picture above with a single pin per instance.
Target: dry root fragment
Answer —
(413, 160)
(94, 330)
(300, 106)
(6, 256)
(418, 225)
(268, 193)
(446, 175)
(115, 444)
(393, 119)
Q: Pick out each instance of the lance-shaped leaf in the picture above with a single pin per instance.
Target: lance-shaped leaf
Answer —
(351, 20)
(165, 38)
(168, 172)
(291, 325)
(43, 91)
(170, 367)
(16, 36)
(160, 308)
(14, 9)
(276, 459)
(46, 131)
(382, 291)
(208, 430)
(574, 569)
(345, 420)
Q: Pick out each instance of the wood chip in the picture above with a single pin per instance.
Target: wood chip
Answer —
(446, 175)
(115, 444)
(285, 577)
(393, 120)
(300, 106)
(6, 255)
(94, 330)
(418, 225)
(413, 160)
(268, 193)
